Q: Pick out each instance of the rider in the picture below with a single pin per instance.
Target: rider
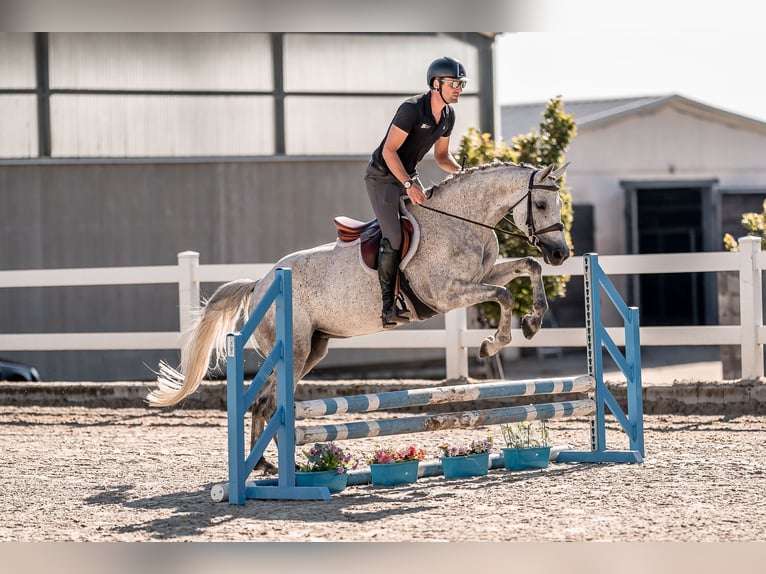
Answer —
(421, 122)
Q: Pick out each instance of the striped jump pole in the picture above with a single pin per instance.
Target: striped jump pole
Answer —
(426, 423)
(441, 395)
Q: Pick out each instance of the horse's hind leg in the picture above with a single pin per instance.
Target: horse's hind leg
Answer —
(263, 409)
(265, 404)
(319, 347)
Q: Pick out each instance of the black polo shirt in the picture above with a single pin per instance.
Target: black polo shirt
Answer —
(414, 117)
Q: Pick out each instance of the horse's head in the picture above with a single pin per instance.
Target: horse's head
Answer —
(538, 214)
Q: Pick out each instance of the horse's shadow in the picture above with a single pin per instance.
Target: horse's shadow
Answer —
(194, 512)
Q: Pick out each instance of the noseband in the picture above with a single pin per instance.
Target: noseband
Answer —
(532, 233)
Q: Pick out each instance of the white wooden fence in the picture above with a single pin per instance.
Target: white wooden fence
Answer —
(455, 338)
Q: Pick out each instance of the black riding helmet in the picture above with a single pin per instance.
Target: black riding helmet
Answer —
(445, 67)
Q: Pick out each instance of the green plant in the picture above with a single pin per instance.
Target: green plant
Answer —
(389, 455)
(526, 434)
(754, 224)
(544, 146)
(327, 456)
(474, 447)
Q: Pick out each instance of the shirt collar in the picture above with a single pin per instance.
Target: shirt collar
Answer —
(427, 107)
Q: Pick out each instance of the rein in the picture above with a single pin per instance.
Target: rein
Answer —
(532, 233)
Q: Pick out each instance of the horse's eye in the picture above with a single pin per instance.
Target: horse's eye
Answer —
(540, 204)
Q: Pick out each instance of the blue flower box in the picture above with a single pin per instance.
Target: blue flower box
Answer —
(394, 473)
(335, 481)
(465, 466)
(526, 458)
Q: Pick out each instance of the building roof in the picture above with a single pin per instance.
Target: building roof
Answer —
(521, 118)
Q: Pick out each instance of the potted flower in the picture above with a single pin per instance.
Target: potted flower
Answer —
(459, 461)
(389, 466)
(528, 445)
(326, 465)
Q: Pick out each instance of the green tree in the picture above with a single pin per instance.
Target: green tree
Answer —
(543, 146)
(754, 224)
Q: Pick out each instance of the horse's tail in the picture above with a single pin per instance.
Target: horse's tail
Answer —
(217, 318)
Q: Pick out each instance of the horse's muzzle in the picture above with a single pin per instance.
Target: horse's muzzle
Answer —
(554, 255)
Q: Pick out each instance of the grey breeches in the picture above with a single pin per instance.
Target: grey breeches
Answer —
(384, 191)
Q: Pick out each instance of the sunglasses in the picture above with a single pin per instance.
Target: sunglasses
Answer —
(455, 83)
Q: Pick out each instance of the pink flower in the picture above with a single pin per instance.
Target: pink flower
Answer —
(389, 455)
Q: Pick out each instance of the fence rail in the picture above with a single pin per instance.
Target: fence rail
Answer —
(456, 338)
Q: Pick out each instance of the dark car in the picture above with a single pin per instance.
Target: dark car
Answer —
(14, 371)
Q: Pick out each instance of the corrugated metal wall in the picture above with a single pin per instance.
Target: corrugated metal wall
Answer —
(169, 95)
(145, 61)
(160, 126)
(18, 112)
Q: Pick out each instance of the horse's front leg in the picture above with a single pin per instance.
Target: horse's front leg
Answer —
(464, 294)
(504, 273)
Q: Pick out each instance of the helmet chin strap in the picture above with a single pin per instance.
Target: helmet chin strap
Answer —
(439, 89)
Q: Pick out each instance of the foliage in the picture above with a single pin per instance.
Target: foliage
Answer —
(327, 456)
(526, 435)
(540, 147)
(389, 455)
(754, 224)
(474, 447)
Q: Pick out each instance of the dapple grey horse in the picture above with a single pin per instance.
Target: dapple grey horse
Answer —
(453, 265)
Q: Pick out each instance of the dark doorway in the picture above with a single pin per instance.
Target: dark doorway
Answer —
(670, 220)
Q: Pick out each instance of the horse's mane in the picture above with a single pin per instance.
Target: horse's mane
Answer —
(450, 179)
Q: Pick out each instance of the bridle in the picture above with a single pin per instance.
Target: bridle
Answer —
(532, 235)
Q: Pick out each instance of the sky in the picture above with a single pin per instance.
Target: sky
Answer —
(724, 67)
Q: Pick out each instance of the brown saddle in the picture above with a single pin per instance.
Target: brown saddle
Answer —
(370, 235)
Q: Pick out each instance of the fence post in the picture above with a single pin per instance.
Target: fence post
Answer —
(188, 289)
(455, 323)
(750, 307)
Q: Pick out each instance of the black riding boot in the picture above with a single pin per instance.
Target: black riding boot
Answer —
(388, 265)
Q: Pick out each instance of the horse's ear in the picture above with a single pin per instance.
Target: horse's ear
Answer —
(546, 172)
(560, 171)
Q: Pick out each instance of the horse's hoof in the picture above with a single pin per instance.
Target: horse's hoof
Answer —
(266, 467)
(487, 348)
(529, 327)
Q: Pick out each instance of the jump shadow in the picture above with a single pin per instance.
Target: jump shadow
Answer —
(705, 425)
(194, 512)
(120, 420)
